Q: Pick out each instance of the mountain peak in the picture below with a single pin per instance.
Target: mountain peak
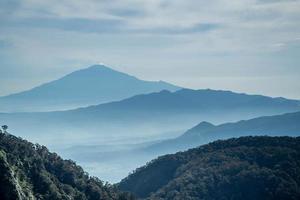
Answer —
(96, 70)
(93, 85)
(98, 66)
(204, 125)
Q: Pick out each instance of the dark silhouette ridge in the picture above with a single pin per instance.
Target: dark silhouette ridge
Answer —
(30, 171)
(243, 168)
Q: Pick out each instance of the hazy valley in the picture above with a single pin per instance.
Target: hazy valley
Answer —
(143, 126)
(149, 100)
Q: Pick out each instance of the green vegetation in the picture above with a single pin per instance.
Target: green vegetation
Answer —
(244, 168)
(30, 171)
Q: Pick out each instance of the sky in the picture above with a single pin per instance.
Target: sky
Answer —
(250, 46)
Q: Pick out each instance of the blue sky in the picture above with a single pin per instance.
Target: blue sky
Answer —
(248, 46)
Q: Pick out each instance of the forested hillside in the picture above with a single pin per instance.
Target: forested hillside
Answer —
(244, 168)
(30, 171)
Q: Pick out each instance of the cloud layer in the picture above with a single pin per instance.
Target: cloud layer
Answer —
(184, 42)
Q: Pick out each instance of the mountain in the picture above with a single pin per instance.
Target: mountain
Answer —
(278, 125)
(137, 119)
(30, 171)
(127, 159)
(188, 100)
(94, 85)
(244, 168)
(146, 115)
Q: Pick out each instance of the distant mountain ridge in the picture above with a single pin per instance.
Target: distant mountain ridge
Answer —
(94, 85)
(201, 99)
(202, 133)
(189, 104)
(154, 113)
(278, 125)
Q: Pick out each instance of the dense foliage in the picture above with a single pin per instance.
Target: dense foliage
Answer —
(30, 171)
(244, 168)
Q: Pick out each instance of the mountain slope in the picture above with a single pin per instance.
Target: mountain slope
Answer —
(128, 159)
(278, 125)
(244, 168)
(94, 85)
(29, 171)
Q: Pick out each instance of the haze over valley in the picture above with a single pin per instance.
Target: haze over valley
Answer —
(149, 100)
(86, 134)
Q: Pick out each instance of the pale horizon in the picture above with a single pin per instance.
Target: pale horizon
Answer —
(250, 46)
(206, 84)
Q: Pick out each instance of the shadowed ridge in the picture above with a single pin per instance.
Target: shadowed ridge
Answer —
(30, 171)
(242, 168)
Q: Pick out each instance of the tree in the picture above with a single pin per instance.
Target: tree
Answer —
(4, 127)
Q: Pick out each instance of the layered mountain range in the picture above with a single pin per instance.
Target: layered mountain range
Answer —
(109, 115)
(126, 158)
(93, 85)
(204, 132)
(154, 113)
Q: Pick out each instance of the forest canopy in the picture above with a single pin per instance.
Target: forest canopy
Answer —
(30, 171)
(244, 168)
